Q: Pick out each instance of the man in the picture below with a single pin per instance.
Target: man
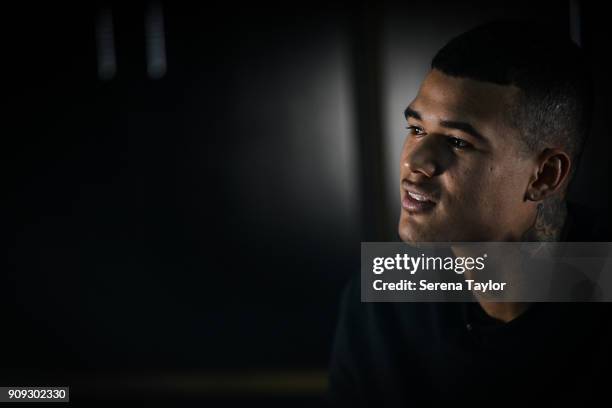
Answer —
(494, 136)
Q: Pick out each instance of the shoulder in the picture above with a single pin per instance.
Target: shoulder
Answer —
(380, 347)
(380, 326)
(377, 316)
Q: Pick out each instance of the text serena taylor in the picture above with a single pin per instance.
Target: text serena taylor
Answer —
(423, 284)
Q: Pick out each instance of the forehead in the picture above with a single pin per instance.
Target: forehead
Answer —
(484, 104)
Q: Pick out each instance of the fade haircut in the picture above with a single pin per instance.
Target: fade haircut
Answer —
(554, 105)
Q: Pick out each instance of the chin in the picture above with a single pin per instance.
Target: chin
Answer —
(432, 232)
(411, 233)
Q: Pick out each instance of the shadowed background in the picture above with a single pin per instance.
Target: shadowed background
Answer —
(187, 186)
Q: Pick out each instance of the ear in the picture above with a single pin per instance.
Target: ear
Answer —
(550, 175)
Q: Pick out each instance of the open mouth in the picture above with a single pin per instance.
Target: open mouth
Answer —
(416, 203)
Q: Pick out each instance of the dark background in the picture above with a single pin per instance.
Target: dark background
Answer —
(189, 236)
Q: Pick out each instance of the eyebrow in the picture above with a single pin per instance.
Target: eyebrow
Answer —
(450, 124)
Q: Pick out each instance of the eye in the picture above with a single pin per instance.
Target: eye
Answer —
(414, 130)
(458, 143)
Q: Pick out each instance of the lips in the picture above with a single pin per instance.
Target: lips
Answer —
(415, 199)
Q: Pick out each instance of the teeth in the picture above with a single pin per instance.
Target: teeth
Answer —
(417, 197)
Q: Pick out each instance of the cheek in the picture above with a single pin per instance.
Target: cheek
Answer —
(487, 188)
(509, 182)
(463, 186)
(506, 191)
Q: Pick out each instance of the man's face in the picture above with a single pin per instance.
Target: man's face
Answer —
(463, 171)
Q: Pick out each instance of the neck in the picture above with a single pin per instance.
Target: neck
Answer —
(549, 220)
(547, 227)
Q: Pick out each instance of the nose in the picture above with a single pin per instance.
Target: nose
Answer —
(422, 156)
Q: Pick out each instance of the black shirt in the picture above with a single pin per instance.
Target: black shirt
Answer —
(430, 354)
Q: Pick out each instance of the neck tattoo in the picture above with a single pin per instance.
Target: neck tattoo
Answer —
(549, 221)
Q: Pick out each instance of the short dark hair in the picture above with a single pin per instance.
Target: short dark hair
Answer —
(553, 74)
